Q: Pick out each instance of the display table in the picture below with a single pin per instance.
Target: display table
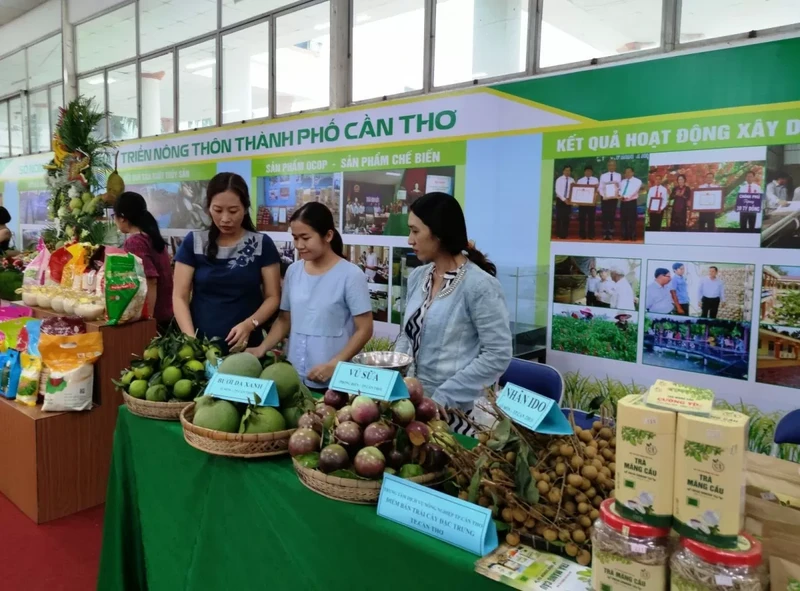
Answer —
(54, 464)
(177, 518)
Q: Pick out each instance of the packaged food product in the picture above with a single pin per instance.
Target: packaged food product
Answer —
(645, 462)
(34, 272)
(56, 266)
(14, 312)
(125, 288)
(89, 309)
(700, 566)
(70, 360)
(28, 339)
(9, 373)
(627, 555)
(709, 477)
(9, 332)
(63, 325)
(31, 369)
(680, 398)
(75, 266)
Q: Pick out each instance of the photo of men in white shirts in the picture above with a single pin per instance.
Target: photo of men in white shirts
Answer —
(605, 290)
(776, 194)
(657, 197)
(629, 195)
(609, 206)
(592, 284)
(586, 212)
(747, 220)
(563, 209)
(707, 220)
(623, 297)
(711, 293)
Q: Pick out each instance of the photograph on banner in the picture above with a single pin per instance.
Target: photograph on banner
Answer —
(279, 196)
(781, 226)
(614, 211)
(33, 205)
(780, 295)
(374, 262)
(595, 281)
(376, 202)
(778, 361)
(403, 262)
(173, 244)
(714, 192)
(701, 345)
(699, 289)
(286, 253)
(178, 205)
(30, 238)
(597, 332)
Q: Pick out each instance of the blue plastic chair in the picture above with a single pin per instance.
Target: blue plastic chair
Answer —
(536, 377)
(788, 429)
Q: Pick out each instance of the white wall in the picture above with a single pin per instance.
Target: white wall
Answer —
(40, 22)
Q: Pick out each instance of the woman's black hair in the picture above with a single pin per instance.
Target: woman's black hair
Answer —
(227, 181)
(318, 217)
(5, 217)
(445, 219)
(132, 207)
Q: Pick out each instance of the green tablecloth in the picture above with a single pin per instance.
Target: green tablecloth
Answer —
(177, 518)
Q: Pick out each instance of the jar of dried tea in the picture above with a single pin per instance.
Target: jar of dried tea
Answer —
(628, 555)
(696, 565)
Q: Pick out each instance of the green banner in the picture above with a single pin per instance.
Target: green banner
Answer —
(169, 174)
(32, 184)
(692, 133)
(377, 158)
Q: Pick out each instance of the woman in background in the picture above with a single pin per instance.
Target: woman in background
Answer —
(227, 278)
(325, 307)
(456, 324)
(145, 241)
(681, 201)
(5, 233)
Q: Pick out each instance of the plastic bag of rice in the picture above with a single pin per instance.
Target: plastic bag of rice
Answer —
(125, 288)
(70, 361)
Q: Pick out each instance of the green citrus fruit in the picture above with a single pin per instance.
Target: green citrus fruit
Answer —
(182, 389)
(151, 354)
(171, 375)
(143, 372)
(186, 352)
(138, 388)
(128, 378)
(157, 394)
(194, 365)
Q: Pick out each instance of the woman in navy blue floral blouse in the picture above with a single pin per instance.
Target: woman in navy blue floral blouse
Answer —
(227, 279)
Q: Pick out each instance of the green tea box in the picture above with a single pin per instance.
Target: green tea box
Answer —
(645, 462)
(709, 477)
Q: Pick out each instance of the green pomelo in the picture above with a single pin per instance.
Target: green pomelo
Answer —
(292, 415)
(182, 389)
(171, 376)
(265, 419)
(138, 388)
(143, 373)
(287, 382)
(186, 352)
(219, 415)
(411, 471)
(241, 364)
(151, 354)
(128, 378)
(157, 393)
(194, 365)
(75, 203)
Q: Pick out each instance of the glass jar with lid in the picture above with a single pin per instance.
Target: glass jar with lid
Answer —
(700, 566)
(627, 555)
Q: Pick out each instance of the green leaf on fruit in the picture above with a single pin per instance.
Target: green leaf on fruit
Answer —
(522, 474)
(475, 484)
(500, 435)
(501, 525)
(347, 474)
(309, 460)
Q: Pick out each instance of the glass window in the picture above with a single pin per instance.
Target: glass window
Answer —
(107, 39)
(39, 120)
(576, 32)
(12, 73)
(304, 59)
(44, 62)
(197, 85)
(5, 148)
(166, 22)
(15, 112)
(56, 102)
(700, 19)
(235, 11)
(479, 39)
(123, 119)
(245, 71)
(158, 91)
(388, 47)
(92, 87)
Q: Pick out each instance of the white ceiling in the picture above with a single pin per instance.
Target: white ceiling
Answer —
(11, 9)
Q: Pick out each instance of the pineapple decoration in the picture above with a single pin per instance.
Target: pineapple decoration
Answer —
(78, 172)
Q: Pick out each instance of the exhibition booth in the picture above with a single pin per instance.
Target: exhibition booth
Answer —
(647, 250)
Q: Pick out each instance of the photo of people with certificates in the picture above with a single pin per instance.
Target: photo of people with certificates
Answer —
(780, 227)
(718, 195)
(600, 199)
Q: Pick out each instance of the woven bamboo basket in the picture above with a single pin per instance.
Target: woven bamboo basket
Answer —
(233, 445)
(350, 490)
(162, 411)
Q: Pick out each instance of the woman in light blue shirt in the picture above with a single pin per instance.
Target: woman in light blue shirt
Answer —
(325, 307)
(456, 323)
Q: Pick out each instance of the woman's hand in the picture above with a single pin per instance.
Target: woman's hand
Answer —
(259, 351)
(238, 336)
(322, 373)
